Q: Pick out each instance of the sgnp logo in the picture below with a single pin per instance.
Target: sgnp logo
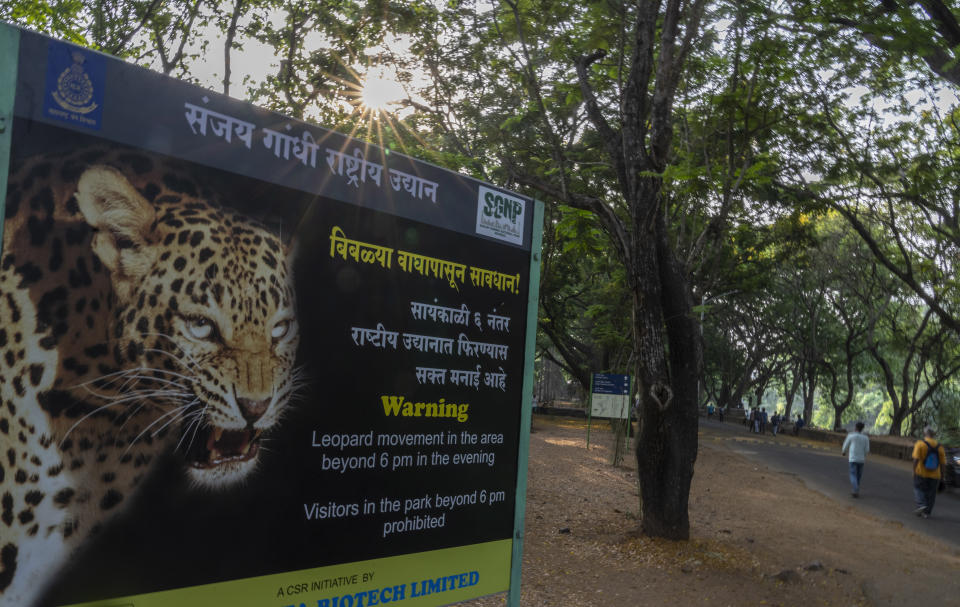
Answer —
(500, 215)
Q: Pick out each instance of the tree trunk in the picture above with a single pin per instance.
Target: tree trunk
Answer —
(896, 422)
(725, 398)
(761, 388)
(666, 336)
(809, 388)
(791, 391)
(667, 447)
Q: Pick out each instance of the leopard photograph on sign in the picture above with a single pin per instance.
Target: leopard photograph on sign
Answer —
(141, 318)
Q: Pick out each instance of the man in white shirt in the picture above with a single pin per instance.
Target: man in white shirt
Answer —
(859, 445)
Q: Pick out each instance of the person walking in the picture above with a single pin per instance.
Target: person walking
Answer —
(928, 462)
(858, 444)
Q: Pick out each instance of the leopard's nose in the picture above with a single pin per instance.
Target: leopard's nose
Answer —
(252, 410)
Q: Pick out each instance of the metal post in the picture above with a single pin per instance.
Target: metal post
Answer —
(589, 411)
(533, 302)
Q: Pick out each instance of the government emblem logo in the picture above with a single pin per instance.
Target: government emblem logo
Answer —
(74, 85)
(74, 88)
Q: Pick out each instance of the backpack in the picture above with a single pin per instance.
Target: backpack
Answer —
(932, 460)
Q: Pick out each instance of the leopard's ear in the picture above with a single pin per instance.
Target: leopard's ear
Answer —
(123, 220)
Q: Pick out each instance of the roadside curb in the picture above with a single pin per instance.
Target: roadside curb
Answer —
(879, 444)
(825, 440)
(784, 443)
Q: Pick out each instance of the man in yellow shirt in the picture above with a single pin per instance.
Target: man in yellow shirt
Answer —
(927, 471)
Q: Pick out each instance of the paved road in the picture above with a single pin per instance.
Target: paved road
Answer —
(886, 489)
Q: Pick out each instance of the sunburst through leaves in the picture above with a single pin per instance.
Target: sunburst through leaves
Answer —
(378, 98)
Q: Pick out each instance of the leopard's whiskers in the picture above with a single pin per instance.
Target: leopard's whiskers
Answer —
(175, 412)
(196, 426)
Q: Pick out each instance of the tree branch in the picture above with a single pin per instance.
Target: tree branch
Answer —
(613, 140)
(603, 211)
(148, 13)
(228, 45)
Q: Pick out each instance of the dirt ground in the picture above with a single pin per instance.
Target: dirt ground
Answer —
(758, 537)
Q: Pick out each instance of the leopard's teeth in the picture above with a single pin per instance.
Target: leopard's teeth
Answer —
(217, 433)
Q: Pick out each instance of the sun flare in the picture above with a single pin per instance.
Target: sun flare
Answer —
(380, 92)
(378, 105)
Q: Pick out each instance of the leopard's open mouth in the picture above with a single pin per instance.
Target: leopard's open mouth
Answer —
(215, 446)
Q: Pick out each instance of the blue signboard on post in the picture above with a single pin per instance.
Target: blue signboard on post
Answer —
(610, 396)
(609, 383)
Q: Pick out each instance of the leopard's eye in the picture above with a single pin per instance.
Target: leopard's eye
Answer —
(200, 327)
(280, 329)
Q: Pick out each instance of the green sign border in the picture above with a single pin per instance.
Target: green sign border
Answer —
(9, 56)
(526, 414)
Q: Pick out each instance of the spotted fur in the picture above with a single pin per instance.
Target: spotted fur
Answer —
(138, 317)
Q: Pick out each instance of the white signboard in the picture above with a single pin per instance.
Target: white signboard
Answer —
(610, 396)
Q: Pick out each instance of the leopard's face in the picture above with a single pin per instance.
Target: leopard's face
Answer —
(204, 330)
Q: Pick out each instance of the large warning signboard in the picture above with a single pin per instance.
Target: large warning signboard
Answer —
(245, 360)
